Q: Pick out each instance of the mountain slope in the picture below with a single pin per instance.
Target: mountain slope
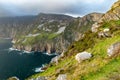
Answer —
(113, 13)
(100, 66)
(55, 34)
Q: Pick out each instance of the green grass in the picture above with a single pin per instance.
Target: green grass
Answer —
(33, 39)
(105, 71)
(53, 35)
(52, 70)
(99, 67)
(100, 50)
(113, 25)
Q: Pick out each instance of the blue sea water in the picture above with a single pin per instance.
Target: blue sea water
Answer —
(19, 64)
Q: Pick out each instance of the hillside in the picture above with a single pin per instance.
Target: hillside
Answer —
(46, 32)
(102, 41)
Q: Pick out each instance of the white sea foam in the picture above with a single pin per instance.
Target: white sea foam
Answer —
(26, 51)
(39, 69)
(13, 49)
(20, 52)
(50, 54)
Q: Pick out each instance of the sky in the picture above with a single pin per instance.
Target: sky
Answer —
(70, 7)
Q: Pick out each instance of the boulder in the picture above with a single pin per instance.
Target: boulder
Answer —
(106, 30)
(83, 56)
(114, 49)
(62, 77)
(55, 59)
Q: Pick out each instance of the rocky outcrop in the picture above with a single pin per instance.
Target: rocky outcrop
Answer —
(104, 33)
(114, 49)
(112, 14)
(57, 58)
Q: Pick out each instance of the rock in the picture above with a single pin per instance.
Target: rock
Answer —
(58, 71)
(28, 48)
(48, 48)
(95, 27)
(39, 78)
(55, 59)
(13, 78)
(104, 33)
(106, 30)
(101, 34)
(83, 56)
(62, 77)
(114, 49)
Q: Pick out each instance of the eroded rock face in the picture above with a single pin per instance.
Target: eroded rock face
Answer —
(83, 56)
(112, 14)
(62, 77)
(95, 27)
(114, 49)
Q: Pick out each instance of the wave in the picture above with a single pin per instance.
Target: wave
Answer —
(30, 52)
(21, 51)
(39, 69)
(50, 54)
(13, 49)
(27, 52)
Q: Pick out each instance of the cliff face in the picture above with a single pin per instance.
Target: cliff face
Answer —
(46, 32)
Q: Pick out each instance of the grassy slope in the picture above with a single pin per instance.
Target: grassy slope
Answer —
(99, 67)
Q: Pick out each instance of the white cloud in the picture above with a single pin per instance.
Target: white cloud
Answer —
(92, 1)
(73, 7)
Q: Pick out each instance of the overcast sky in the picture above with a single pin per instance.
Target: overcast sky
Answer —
(72, 7)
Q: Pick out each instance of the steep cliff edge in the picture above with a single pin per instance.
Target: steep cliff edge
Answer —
(55, 32)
